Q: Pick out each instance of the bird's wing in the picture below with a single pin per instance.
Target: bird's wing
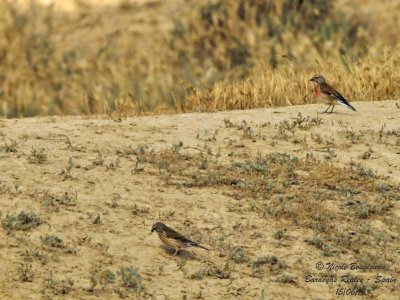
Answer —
(331, 92)
(169, 232)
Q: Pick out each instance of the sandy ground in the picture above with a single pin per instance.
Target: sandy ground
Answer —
(81, 177)
(72, 5)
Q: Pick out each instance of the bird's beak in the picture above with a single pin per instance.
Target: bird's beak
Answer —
(312, 79)
(152, 230)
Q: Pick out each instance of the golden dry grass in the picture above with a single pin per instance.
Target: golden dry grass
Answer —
(166, 56)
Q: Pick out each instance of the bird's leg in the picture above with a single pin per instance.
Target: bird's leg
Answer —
(326, 111)
(176, 252)
(333, 106)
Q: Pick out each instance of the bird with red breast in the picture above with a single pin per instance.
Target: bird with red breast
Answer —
(325, 93)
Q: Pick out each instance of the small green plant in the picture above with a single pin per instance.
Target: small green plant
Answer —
(66, 171)
(262, 295)
(316, 137)
(114, 200)
(299, 122)
(279, 234)
(97, 220)
(137, 210)
(107, 277)
(68, 199)
(264, 260)
(383, 188)
(381, 133)
(113, 165)
(238, 255)
(315, 241)
(306, 122)
(93, 283)
(59, 287)
(285, 278)
(98, 160)
(130, 278)
(248, 132)
(22, 221)
(363, 210)
(26, 273)
(354, 137)
(51, 201)
(344, 239)
(181, 263)
(103, 247)
(327, 251)
(38, 156)
(197, 275)
(367, 154)
(9, 147)
(138, 167)
(330, 154)
(52, 241)
(271, 261)
(228, 123)
(361, 171)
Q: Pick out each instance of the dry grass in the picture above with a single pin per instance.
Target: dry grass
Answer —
(368, 79)
(284, 187)
(223, 55)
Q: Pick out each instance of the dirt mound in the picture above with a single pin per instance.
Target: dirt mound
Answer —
(292, 203)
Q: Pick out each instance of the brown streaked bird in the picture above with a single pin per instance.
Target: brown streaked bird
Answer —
(172, 238)
(327, 94)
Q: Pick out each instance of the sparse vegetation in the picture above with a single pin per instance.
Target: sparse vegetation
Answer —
(264, 260)
(315, 241)
(353, 136)
(130, 278)
(51, 201)
(114, 200)
(38, 156)
(285, 278)
(98, 160)
(238, 255)
(22, 221)
(59, 287)
(52, 241)
(10, 146)
(279, 234)
(296, 189)
(26, 272)
(367, 154)
(271, 196)
(107, 277)
(66, 171)
(362, 171)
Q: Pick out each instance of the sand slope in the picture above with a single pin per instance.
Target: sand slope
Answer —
(102, 203)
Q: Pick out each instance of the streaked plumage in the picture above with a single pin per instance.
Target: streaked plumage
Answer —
(327, 94)
(172, 238)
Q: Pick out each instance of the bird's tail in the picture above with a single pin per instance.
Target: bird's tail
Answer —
(203, 247)
(347, 104)
(193, 244)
